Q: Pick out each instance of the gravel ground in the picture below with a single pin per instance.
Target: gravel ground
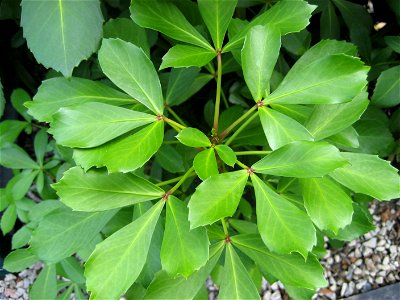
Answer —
(368, 263)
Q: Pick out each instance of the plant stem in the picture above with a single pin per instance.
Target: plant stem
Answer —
(238, 121)
(173, 180)
(240, 129)
(224, 98)
(172, 112)
(173, 123)
(181, 181)
(252, 152)
(225, 227)
(218, 95)
(242, 164)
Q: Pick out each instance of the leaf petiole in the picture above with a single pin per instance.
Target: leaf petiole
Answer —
(181, 181)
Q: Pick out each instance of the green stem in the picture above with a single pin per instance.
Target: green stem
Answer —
(172, 112)
(238, 121)
(252, 152)
(173, 123)
(181, 181)
(225, 227)
(242, 164)
(240, 129)
(224, 98)
(218, 95)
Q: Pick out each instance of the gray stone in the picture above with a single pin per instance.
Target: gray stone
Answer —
(371, 243)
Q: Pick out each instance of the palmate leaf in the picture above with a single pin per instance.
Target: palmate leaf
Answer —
(124, 154)
(216, 197)
(180, 56)
(52, 28)
(205, 164)
(116, 262)
(283, 227)
(97, 190)
(93, 124)
(183, 251)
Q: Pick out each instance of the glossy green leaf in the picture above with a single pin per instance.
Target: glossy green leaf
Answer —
(93, 124)
(170, 159)
(370, 175)
(45, 285)
(327, 204)
(205, 164)
(166, 18)
(287, 16)
(290, 269)
(226, 154)
(124, 154)
(117, 261)
(329, 23)
(62, 233)
(193, 137)
(18, 98)
(52, 29)
(180, 56)
(298, 42)
(8, 219)
(281, 129)
(323, 81)
(14, 157)
(217, 15)
(393, 42)
(326, 120)
(97, 190)
(178, 82)
(120, 61)
(387, 89)
(217, 197)
(259, 55)
(346, 138)
(10, 130)
(236, 282)
(283, 227)
(301, 159)
(19, 259)
(183, 250)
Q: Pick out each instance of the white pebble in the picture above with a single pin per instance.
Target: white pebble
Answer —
(371, 243)
(379, 280)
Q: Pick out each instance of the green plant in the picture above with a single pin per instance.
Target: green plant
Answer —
(260, 183)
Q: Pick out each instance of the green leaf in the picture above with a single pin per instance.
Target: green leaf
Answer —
(18, 98)
(329, 23)
(45, 285)
(170, 159)
(183, 251)
(226, 154)
(178, 83)
(370, 175)
(217, 15)
(60, 92)
(21, 237)
(259, 55)
(8, 219)
(73, 269)
(166, 18)
(326, 120)
(287, 16)
(53, 28)
(62, 233)
(120, 61)
(14, 157)
(205, 164)
(393, 42)
(297, 43)
(216, 197)
(97, 190)
(40, 145)
(291, 269)
(193, 137)
(387, 89)
(92, 124)
(346, 138)
(126, 153)
(331, 79)
(10, 130)
(283, 227)
(301, 159)
(187, 56)
(328, 205)
(2, 100)
(236, 281)
(117, 261)
(19, 259)
(281, 129)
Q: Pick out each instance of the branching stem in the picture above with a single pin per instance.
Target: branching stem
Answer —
(181, 181)
(240, 129)
(237, 122)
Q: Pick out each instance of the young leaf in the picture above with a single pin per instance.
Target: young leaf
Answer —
(328, 205)
(120, 61)
(52, 28)
(301, 159)
(183, 251)
(217, 197)
(217, 15)
(328, 80)
(283, 227)
(387, 90)
(205, 164)
(45, 285)
(97, 190)
(180, 56)
(290, 269)
(19, 259)
(281, 129)
(40, 144)
(92, 124)
(166, 18)
(370, 175)
(236, 282)
(118, 260)
(259, 55)
(193, 137)
(170, 159)
(14, 157)
(126, 153)
(226, 154)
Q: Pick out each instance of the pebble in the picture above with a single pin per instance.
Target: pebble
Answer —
(370, 243)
